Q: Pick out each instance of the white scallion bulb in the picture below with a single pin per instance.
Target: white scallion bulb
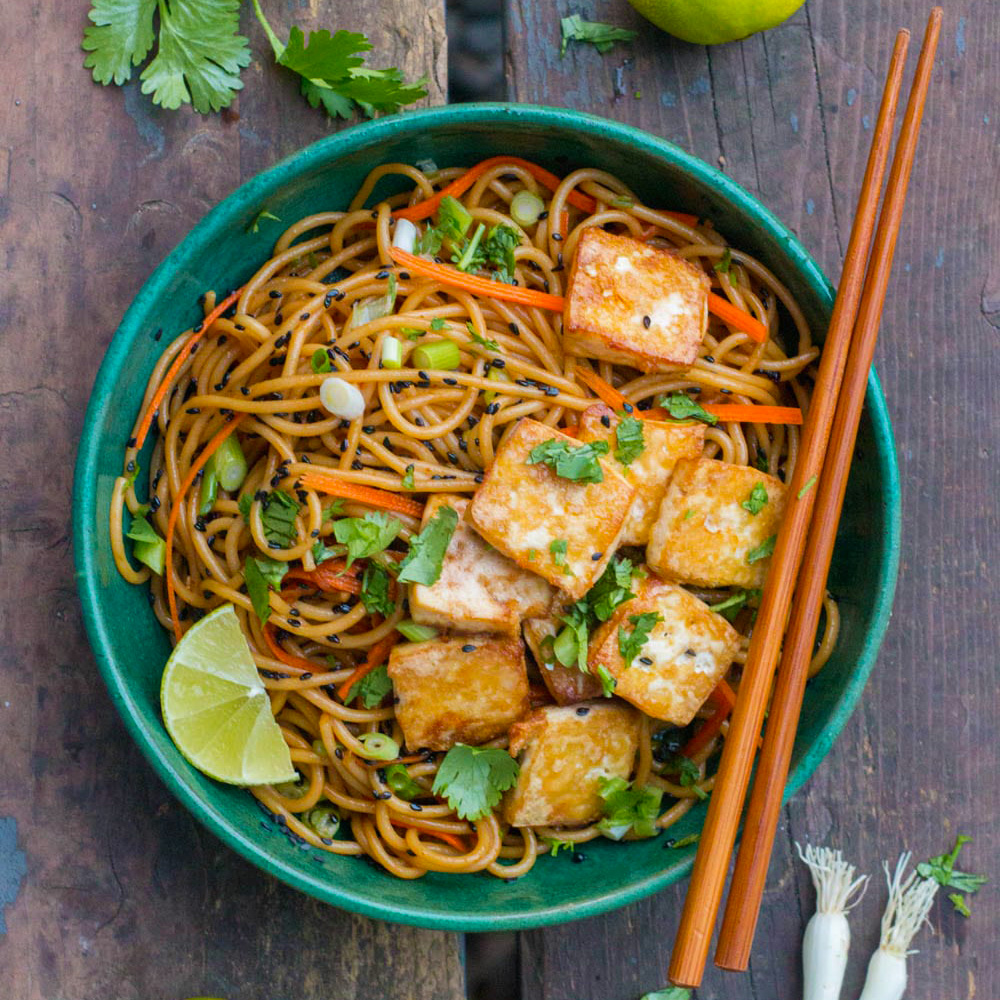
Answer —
(404, 236)
(341, 398)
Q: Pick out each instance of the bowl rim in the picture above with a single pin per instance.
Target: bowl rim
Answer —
(229, 212)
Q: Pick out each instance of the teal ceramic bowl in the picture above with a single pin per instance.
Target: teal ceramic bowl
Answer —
(221, 253)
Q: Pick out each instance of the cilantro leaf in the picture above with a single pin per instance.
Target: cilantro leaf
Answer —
(630, 441)
(627, 808)
(407, 483)
(244, 503)
(611, 589)
(958, 901)
(557, 549)
(942, 870)
(321, 552)
(630, 644)
(261, 575)
(555, 846)
(423, 562)
(372, 688)
(733, 604)
(685, 769)
(762, 551)
(334, 509)
(498, 251)
(490, 345)
(757, 500)
(680, 406)
(199, 57)
(375, 590)
(277, 516)
(366, 536)
(438, 323)
(600, 34)
(472, 779)
(670, 993)
(724, 263)
(578, 463)
(120, 38)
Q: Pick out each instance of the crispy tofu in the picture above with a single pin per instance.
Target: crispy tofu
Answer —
(524, 510)
(467, 690)
(634, 304)
(567, 685)
(480, 589)
(665, 443)
(703, 535)
(565, 751)
(686, 655)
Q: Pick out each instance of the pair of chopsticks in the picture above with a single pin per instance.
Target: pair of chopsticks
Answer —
(824, 460)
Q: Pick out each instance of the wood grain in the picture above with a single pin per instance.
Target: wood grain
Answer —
(788, 115)
(124, 895)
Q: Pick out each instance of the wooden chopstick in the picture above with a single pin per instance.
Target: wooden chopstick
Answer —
(701, 905)
(746, 890)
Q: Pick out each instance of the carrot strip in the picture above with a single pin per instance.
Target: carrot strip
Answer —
(753, 413)
(451, 839)
(297, 663)
(736, 317)
(332, 575)
(377, 655)
(604, 391)
(324, 483)
(199, 463)
(199, 331)
(478, 286)
(724, 698)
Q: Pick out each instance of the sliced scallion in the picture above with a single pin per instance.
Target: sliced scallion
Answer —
(564, 647)
(495, 375)
(416, 633)
(378, 746)
(230, 464)
(453, 217)
(209, 488)
(525, 207)
(442, 355)
(392, 353)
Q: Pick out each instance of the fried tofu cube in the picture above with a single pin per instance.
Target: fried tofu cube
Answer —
(468, 690)
(567, 685)
(564, 531)
(704, 535)
(687, 653)
(664, 444)
(479, 589)
(565, 751)
(634, 304)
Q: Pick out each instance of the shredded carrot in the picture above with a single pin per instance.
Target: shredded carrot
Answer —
(377, 655)
(604, 391)
(451, 839)
(332, 575)
(724, 698)
(296, 663)
(331, 485)
(199, 331)
(736, 317)
(199, 463)
(478, 286)
(563, 224)
(754, 413)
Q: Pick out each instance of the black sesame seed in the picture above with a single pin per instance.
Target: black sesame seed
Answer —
(381, 275)
(579, 857)
(158, 334)
(646, 660)
(130, 443)
(416, 808)
(450, 381)
(596, 556)
(479, 477)
(193, 409)
(606, 420)
(646, 321)
(339, 753)
(493, 408)
(424, 375)
(499, 363)
(709, 358)
(689, 652)
(726, 392)
(582, 711)
(513, 328)
(154, 504)
(557, 237)
(304, 316)
(274, 293)
(468, 648)
(278, 319)
(199, 525)
(244, 390)
(551, 390)
(419, 421)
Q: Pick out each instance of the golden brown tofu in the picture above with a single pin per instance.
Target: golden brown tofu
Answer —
(480, 589)
(686, 655)
(634, 304)
(566, 751)
(467, 690)
(704, 535)
(665, 443)
(562, 530)
(566, 684)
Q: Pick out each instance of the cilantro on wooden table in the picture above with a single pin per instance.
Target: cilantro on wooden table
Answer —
(680, 406)
(199, 56)
(472, 779)
(366, 536)
(757, 500)
(372, 688)
(600, 34)
(630, 643)
(629, 439)
(628, 809)
(942, 870)
(670, 993)
(423, 562)
(576, 462)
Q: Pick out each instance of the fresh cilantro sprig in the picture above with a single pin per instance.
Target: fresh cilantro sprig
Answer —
(576, 462)
(557, 549)
(472, 779)
(731, 606)
(424, 560)
(600, 34)
(277, 517)
(366, 536)
(150, 549)
(942, 870)
(630, 643)
(628, 809)
(372, 688)
(490, 345)
(680, 406)
(629, 439)
(375, 590)
(757, 500)
(262, 575)
(762, 551)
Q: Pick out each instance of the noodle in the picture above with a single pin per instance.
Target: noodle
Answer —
(256, 373)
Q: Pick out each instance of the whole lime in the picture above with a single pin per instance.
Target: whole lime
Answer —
(711, 22)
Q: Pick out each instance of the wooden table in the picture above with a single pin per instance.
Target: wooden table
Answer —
(109, 889)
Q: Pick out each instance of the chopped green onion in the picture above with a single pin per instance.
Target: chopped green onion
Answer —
(399, 780)
(392, 353)
(454, 217)
(341, 398)
(416, 633)
(564, 646)
(441, 355)
(378, 746)
(209, 488)
(525, 207)
(230, 464)
(469, 253)
(376, 308)
(324, 820)
(320, 361)
(495, 375)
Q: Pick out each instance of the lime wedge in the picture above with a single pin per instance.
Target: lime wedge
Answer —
(216, 708)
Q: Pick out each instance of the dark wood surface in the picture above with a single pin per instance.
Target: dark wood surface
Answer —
(110, 890)
(788, 114)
